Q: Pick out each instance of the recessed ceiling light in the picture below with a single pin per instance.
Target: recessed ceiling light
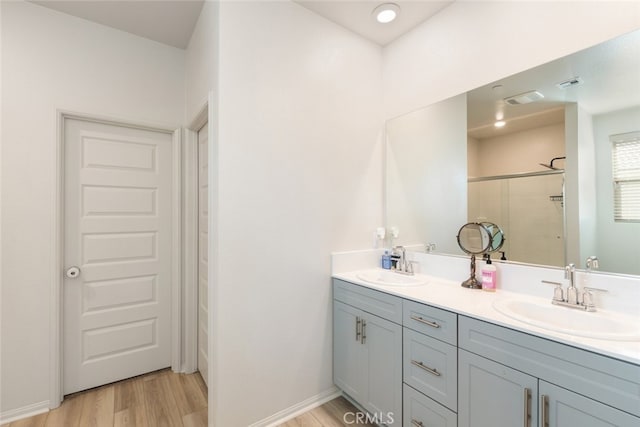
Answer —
(386, 12)
(500, 123)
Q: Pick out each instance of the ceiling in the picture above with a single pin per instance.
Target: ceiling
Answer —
(166, 21)
(357, 16)
(172, 21)
(609, 72)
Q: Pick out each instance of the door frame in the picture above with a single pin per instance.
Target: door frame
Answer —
(190, 238)
(57, 249)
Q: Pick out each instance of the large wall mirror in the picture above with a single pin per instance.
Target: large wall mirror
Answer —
(533, 153)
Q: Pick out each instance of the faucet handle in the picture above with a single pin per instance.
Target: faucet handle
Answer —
(410, 265)
(557, 292)
(587, 297)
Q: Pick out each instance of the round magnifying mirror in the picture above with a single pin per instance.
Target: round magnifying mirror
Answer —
(474, 239)
(496, 236)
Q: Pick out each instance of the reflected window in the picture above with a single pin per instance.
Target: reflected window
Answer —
(626, 176)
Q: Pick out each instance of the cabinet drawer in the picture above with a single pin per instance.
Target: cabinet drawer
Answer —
(430, 366)
(420, 411)
(436, 323)
(610, 381)
(382, 305)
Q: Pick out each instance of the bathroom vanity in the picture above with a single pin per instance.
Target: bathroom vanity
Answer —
(441, 355)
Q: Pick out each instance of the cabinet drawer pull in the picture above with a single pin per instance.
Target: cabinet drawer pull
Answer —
(416, 423)
(527, 407)
(424, 321)
(544, 410)
(358, 326)
(364, 332)
(426, 368)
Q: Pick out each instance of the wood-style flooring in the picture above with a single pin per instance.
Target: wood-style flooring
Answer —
(163, 399)
(338, 412)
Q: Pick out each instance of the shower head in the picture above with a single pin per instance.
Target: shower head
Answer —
(550, 165)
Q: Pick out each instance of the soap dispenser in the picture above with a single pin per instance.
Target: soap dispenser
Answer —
(489, 275)
(386, 260)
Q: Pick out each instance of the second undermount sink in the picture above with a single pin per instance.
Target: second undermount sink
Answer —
(391, 278)
(598, 325)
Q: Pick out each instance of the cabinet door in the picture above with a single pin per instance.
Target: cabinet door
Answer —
(349, 369)
(383, 342)
(560, 407)
(493, 395)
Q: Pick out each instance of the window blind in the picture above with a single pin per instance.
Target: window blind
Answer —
(626, 176)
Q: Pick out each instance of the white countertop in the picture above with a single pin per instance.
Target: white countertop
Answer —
(449, 295)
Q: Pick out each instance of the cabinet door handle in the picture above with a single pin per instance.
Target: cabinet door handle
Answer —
(544, 410)
(358, 327)
(426, 368)
(527, 407)
(364, 332)
(416, 423)
(424, 321)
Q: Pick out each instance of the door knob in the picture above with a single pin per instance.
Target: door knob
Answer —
(73, 272)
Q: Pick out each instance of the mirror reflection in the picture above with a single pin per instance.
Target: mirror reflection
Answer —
(532, 152)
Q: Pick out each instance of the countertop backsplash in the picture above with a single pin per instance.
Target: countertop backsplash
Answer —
(623, 292)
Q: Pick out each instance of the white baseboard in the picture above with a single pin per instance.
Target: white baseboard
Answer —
(24, 412)
(299, 408)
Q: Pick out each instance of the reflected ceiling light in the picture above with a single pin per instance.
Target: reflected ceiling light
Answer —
(500, 123)
(386, 12)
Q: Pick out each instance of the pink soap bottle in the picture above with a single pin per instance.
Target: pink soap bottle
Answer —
(489, 276)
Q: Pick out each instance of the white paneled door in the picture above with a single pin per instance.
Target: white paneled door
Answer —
(203, 244)
(118, 233)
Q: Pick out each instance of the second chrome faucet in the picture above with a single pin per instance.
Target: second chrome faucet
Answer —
(574, 299)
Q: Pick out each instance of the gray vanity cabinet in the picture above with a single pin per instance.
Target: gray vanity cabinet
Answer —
(509, 378)
(459, 371)
(367, 350)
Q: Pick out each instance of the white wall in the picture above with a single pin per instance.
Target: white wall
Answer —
(617, 241)
(426, 174)
(201, 61)
(53, 61)
(300, 175)
(580, 187)
(472, 43)
(585, 156)
(201, 80)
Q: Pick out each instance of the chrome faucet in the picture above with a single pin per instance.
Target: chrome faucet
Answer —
(572, 300)
(402, 265)
(592, 263)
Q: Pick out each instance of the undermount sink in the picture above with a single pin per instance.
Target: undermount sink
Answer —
(599, 325)
(391, 278)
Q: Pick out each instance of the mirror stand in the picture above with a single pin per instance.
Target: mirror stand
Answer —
(478, 238)
(472, 282)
